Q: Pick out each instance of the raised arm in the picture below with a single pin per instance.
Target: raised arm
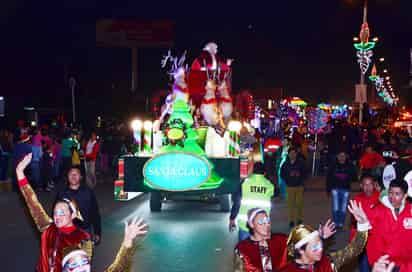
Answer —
(123, 260)
(39, 215)
(356, 246)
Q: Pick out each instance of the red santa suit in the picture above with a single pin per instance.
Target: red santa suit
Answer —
(249, 253)
(198, 76)
(391, 234)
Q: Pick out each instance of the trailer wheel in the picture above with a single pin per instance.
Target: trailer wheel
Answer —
(155, 202)
(224, 201)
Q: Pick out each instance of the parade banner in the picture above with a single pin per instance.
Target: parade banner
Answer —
(176, 171)
(361, 93)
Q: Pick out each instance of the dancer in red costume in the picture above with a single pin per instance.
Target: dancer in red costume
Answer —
(58, 234)
(305, 246)
(264, 251)
(79, 261)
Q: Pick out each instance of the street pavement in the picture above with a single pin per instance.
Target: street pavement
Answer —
(185, 236)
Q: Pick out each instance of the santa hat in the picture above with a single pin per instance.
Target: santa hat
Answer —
(24, 138)
(272, 145)
(209, 46)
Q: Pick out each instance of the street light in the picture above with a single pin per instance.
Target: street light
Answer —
(375, 39)
(385, 70)
(381, 59)
(387, 77)
(136, 125)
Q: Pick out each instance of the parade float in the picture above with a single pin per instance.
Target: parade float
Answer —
(192, 150)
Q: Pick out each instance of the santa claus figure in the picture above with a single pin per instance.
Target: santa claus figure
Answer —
(207, 66)
(210, 61)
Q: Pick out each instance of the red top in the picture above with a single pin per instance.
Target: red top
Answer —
(371, 160)
(92, 154)
(55, 242)
(272, 144)
(368, 203)
(252, 261)
(391, 234)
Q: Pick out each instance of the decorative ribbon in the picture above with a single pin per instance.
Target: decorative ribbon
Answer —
(225, 99)
(209, 101)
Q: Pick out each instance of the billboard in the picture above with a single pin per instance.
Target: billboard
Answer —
(133, 33)
(410, 68)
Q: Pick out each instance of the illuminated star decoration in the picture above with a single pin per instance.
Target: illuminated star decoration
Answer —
(364, 59)
(364, 47)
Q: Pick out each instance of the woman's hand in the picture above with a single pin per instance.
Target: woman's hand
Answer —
(132, 230)
(358, 213)
(21, 166)
(383, 264)
(327, 230)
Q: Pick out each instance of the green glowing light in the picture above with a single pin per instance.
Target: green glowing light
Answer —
(373, 78)
(364, 46)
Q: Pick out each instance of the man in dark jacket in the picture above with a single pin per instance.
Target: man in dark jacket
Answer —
(85, 200)
(338, 183)
(293, 172)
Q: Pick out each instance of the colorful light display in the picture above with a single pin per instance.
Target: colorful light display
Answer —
(318, 120)
(364, 48)
(381, 89)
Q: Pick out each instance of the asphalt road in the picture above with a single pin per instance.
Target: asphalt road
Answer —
(185, 236)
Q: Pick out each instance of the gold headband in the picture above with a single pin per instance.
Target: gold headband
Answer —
(299, 236)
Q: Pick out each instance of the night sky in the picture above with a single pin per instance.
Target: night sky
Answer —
(304, 47)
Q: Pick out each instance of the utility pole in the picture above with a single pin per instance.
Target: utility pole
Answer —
(362, 75)
(72, 85)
